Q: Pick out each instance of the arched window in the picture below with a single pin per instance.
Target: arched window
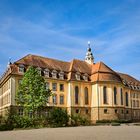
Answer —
(126, 98)
(115, 95)
(86, 95)
(121, 92)
(104, 95)
(76, 94)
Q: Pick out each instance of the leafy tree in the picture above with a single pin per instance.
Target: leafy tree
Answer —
(32, 94)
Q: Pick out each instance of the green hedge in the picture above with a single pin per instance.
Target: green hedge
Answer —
(113, 121)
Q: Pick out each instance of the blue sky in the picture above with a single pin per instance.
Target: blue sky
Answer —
(61, 29)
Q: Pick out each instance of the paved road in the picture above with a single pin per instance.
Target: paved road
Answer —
(75, 133)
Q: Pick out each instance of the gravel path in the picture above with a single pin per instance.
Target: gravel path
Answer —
(75, 133)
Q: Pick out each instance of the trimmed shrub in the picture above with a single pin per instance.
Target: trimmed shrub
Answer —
(103, 121)
(58, 117)
(77, 120)
(115, 124)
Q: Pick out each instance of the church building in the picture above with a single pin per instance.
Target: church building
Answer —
(86, 88)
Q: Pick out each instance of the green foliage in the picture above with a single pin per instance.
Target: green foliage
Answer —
(32, 93)
(4, 127)
(58, 117)
(103, 121)
(6, 123)
(77, 120)
(26, 122)
(112, 121)
(115, 124)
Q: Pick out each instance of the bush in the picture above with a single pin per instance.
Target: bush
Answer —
(103, 121)
(113, 121)
(4, 127)
(58, 117)
(25, 122)
(77, 120)
(115, 124)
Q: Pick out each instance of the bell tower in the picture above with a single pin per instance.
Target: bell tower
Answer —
(89, 56)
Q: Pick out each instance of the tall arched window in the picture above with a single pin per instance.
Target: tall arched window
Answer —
(76, 94)
(115, 95)
(126, 98)
(104, 95)
(121, 92)
(86, 95)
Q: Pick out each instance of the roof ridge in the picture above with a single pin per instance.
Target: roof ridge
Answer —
(23, 57)
(71, 65)
(49, 58)
(33, 55)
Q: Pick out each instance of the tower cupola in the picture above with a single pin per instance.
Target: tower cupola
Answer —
(89, 56)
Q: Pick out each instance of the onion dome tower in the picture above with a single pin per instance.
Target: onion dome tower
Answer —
(89, 56)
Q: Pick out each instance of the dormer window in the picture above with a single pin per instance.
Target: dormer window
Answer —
(21, 68)
(132, 86)
(77, 76)
(39, 70)
(124, 82)
(61, 75)
(85, 77)
(54, 74)
(47, 73)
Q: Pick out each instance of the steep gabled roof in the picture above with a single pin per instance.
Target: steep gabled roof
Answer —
(80, 66)
(44, 62)
(101, 67)
(101, 72)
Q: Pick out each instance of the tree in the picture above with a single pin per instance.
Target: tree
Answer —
(32, 94)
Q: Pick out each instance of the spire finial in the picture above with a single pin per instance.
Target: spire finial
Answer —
(9, 62)
(89, 44)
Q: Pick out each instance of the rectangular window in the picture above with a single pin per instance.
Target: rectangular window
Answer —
(19, 81)
(127, 112)
(47, 85)
(61, 99)
(21, 69)
(54, 99)
(105, 111)
(54, 86)
(61, 87)
(30, 114)
(77, 111)
(20, 112)
(86, 111)
(137, 103)
(116, 111)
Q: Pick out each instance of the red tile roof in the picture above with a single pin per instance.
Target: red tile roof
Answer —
(96, 72)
